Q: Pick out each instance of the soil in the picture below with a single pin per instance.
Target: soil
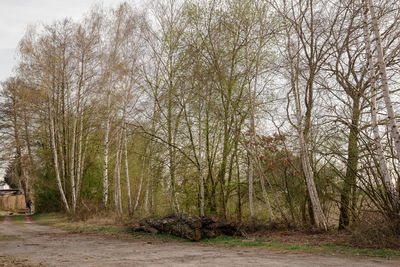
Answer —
(29, 244)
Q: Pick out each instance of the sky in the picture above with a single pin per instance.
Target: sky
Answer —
(16, 15)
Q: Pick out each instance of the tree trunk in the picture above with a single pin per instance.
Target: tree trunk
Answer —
(377, 138)
(301, 129)
(117, 176)
(239, 198)
(128, 183)
(139, 192)
(201, 175)
(385, 87)
(106, 145)
(119, 160)
(305, 158)
(222, 169)
(351, 166)
(251, 167)
(55, 157)
(147, 196)
(81, 168)
(73, 144)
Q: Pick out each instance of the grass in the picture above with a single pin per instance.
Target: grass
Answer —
(325, 248)
(62, 221)
(49, 218)
(119, 232)
(18, 219)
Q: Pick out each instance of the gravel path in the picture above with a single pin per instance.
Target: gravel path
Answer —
(35, 244)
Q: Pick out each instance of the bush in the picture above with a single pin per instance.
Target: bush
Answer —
(47, 197)
(376, 231)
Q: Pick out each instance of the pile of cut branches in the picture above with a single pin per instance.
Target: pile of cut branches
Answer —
(189, 226)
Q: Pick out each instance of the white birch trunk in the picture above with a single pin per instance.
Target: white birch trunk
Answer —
(73, 144)
(115, 188)
(251, 186)
(148, 204)
(117, 169)
(106, 146)
(385, 87)
(140, 182)
(79, 159)
(55, 156)
(267, 203)
(320, 218)
(72, 161)
(119, 181)
(81, 162)
(201, 175)
(147, 197)
(253, 159)
(63, 171)
(374, 118)
(118, 160)
(128, 183)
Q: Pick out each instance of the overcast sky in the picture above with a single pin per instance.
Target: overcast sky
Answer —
(16, 15)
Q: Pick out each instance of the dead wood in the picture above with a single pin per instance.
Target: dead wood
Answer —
(188, 226)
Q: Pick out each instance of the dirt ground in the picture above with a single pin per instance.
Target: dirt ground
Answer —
(29, 244)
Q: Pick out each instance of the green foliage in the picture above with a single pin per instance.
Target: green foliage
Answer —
(92, 180)
(47, 196)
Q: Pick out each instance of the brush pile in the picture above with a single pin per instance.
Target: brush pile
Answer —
(189, 226)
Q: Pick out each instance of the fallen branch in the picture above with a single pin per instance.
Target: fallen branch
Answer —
(189, 226)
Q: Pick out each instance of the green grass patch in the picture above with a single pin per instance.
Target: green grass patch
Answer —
(49, 218)
(118, 231)
(62, 221)
(87, 228)
(18, 219)
(326, 248)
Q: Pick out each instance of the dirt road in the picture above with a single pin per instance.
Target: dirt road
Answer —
(48, 246)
